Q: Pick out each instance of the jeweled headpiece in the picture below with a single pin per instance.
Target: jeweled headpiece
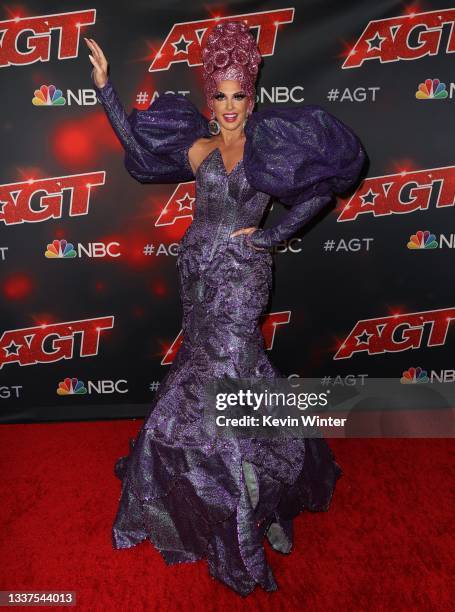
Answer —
(230, 53)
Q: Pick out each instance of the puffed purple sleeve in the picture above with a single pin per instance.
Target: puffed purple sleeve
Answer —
(302, 156)
(155, 140)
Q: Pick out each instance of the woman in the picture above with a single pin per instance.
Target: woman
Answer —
(195, 496)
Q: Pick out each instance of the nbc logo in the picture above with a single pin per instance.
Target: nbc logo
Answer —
(74, 386)
(413, 376)
(48, 96)
(432, 89)
(422, 240)
(60, 249)
(71, 386)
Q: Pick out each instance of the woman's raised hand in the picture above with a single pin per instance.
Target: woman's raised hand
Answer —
(100, 64)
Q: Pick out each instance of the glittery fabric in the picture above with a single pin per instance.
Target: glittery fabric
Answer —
(196, 497)
(230, 52)
(303, 156)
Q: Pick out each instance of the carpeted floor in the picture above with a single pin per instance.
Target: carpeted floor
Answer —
(386, 544)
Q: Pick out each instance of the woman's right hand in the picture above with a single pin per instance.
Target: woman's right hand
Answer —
(100, 64)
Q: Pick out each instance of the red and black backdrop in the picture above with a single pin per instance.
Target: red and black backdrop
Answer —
(90, 308)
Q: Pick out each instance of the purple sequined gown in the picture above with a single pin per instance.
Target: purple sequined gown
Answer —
(196, 497)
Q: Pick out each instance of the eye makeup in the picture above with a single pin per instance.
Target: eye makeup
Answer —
(237, 96)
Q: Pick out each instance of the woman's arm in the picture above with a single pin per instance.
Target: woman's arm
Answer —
(138, 160)
(303, 156)
(156, 140)
(295, 218)
(119, 120)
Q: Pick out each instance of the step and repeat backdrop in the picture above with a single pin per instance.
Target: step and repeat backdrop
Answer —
(90, 307)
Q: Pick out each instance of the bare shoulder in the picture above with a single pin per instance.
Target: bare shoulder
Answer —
(199, 151)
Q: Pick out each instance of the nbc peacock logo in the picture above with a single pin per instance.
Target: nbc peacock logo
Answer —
(71, 386)
(431, 89)
(48, 95)
(60, 249)
(422, 240)
(413, 376)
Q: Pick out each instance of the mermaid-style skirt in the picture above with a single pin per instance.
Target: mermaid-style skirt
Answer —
(199, 497)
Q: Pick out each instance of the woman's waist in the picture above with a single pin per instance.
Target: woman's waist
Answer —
(221, 246)
(207, 230)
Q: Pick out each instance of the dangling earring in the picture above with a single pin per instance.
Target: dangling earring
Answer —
(214, 126)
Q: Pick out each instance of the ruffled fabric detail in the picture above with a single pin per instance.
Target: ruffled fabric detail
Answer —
(168, 128)
(194, 503)
(298, 153)
(156, 140)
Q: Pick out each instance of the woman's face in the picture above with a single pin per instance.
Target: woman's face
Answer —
(230, 104)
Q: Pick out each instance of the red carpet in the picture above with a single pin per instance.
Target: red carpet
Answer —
(385, 544)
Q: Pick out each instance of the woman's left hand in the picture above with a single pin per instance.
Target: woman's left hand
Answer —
(248, 231)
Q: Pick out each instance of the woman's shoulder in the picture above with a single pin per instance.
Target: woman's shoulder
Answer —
(199, 150)
(202, 144)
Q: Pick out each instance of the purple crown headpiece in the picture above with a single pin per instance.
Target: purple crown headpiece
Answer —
(230, 53)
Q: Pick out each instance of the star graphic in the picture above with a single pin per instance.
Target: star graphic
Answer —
(375, 42)
(185, 202)
(12, 351)
(183, 43)
(365, 335)
(369, 197)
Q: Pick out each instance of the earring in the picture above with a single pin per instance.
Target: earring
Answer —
(214, 126)
(246, 120)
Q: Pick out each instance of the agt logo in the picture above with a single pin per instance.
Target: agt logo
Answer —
(184, 41)
(61, 249)
(49, 95)
(404, 38)
(34, 35)
(402, 193)
(74, 386)
(398, 332)
(52, 342)
(37, 200)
